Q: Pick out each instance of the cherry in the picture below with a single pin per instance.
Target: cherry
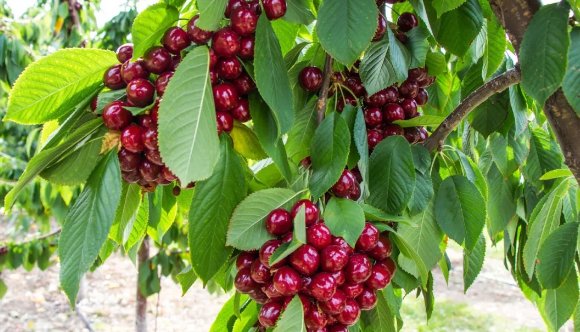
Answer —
(287, 238)
(225, 42)
(410, 108)
(318, 236)
(426, 82)
(310, 209)
(175, 61)
(315, 319)
(306, 162)
(154, 156)
(358, 269)
(338, 328)
(373, 116)
(260, 273)
(128, 160)
(412, 135)
(149, 138)
(131, 177)
(407, 21)
(339, 241)
(287, 281)
(213, 76)
(279, 222)
(335, 305)
(409, 89)
(232, 6)
(351, 313)
(225, 121)
(274, 9)
(161, 180)
(352, 290)
(162, 81)
(254, 5)
(175, 40)
(244, 282)
(244, 21)
(246, 51)
(267, 250)
(339, 277)
(368, 239)
(424, 134)
(145, 121)
(392, 130)
(213, 58)
(402, 38)
(355, 68)
(379, 99)
(244, 84)
(367, 299)
(269, 314)
(417, 74)
(347, 99)
(381, 29)
(310, 78)
(115, 116)
(244, 259)
(344, 185)
(113, 78)
(196, 34)
(389, 264)
(305, 302)
(355, 85)
(305, 260)
(259, 296)
(131, 139)
(94, 103)
(323, 286)
(225, 97)
(125, 52)
(242, 111)
(272, 293)
(134, 70)
(392, 94)
(379, 279)
(393, 112)
(422, 97)
(374, 137)
(149, 171)
(333, 259)
(355, 193)
(383, 249)
(167, 174)
(158, 60)
(306, 281)
(155, 111)
(140, 92)
(229, 68)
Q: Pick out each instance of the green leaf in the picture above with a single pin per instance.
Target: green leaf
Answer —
(188, 139)
(162, 212)
(298, 239)
(421, 158)
(501, 206)
(489, 116)
(247, 229)
(443, 6)
(247, 318)
(300, 136)
(345, 28)
(372, 213)
(344, 218)
(360, 140)
(126, 212)
(186, 278)
(544, 51)
(329, 152)
(51, 87)
(408, 251)
(473, 263)
(246, 142)
(424, 120)
(392, 175)
(436, 64)
(460, 210)
(418, 45)
(495, 47)
(556, 256)
(570, 85)
(104, 98)
(286, 33)
(222, 320)
(400, 57)
(349, 113)
(468, 19)
(292, 319)
(545, 155)
(556, 174)
(423, 193)
(543, 221)
(211, 13)
(419, 8)
(213, 203)
(3, 289)
(292, 56)
(376, 71)
(88, 223)
(150, 25)
(271, 77)
(445, 93)
(136, 229)
(557, 305)
(510, 152)
(298, 11)
(380, 318)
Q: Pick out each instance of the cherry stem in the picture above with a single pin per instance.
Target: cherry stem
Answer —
(323, 95)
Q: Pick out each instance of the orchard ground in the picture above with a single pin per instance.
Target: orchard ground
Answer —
(34, 302)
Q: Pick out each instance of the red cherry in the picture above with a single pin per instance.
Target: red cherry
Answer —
(410, 108)
(279, 222)
(213, 58)
(352, 290)
(392, 130)
(374, 137)
(422, 97)
(258, 296)
(383, 249)
(244, 21)
(338, 328)
(94, 103)
(162, 81)
(134, 70)
(225, 97)
(244, 282)
(269, 314)
(333, 258)
(140, 92)
(343, 101)
(287, 238)
(161, 180)
(402, 38)
(412, 135)
(149, 138)
(344, 185)
(306, 281)
(246, 51)
(131, 138)
(310, 78)
(175, 40)
(229, 68)
(244, 84)
(242, 111)
(408, 89)
(267, 250)
(305, 302)
(158, 60)
(379, 279)
(305, 260)
(225, 42)
(373, 116)
(149, 171)
(196, 34)
(392, 94)
(232, 6)
(287, 281)
(367, 299)
(145, 121)
(355, 85)
(407, 21)
(115, 116)
(175, 61)
(306, 162)
(426, 82)
(213, 76)
(131, 177)
(335, 305)
(424, 134)
(417, 74)
(379, 99)
(393, 112)
(358, 269)
(351, 313)
(125, 52)
(128, 160)
(154, 156)
(381, 29)
(389, 264)
(310, 209)
(315, 319)
(260, 273)
(274, 9)
(355, 193)
(368, 239)
(254, 5)
(339, 241)
(244, 259)
(323, 286)
(272, 293)
(339, 277)
(318, 236)
(225, 121)
(155, 111)
(113, 78)
(167, 174)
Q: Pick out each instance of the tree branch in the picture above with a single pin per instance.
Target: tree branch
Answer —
(4, 250)
(323, 95)
(496, 85)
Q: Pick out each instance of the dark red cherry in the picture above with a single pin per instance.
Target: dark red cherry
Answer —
(305, 302)
(272, 293)
(155, 111)
(115, 116)
(145, 121)
(287, 238)
(242, 111)
(392, 94)
(352, 290)
(407, 21)
(323, 286)
(389, 264)
(339, 241)
(339, 277)
(417, 74)
(392, 130)
(267, 250)
(402, 38)
(379, 99)
(260, 273)
(422, 97)
(213, 58)
(381, 29)
(232, 6)
(337, 328)
(94, 103)
(305, 260)
(351, 313)
(287, 281)
(315, 319)
(310, 78)
(149, 138)
(259, 296)
(161, 180)
(336, 304)
(368, 239)
(244, 84)
(246, 51)
(128, 160)
(379, 279)
(269, 314)
(225, 121)
(409, 89)
(113, 78)
(254, 5)
(131, 139)
(318, 236)
(424, 134)
(306, 162)
(310, 209)
(355, 193)
(393, 112)
(383, 249)
(196, 34)
(131, 177)
(229, 68)
(279, 222)
(426, 82)
(355, 85)
(244, 21)
(125, 52)
(225, 97)
(154, 156)
(134, 70)
(157, 60)
(213, 76)
(175, 61)
(225, 42)
(374, 137)
(333, 258)
(244, 282)
(140, 92)
(162, 81)
(344, 185)
(367, 299)
(244, 259)
(175, 40)
(373, 116)
(149, 171)
(412, 135)
(410, 108)
(358, 269)
(167, 174)
(274, 9)
(347, 99)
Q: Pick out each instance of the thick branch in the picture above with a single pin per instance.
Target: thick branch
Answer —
(514, 16)
(323, 95)
(141, 306)
(496, 85)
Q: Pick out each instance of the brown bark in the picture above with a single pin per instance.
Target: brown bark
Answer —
(323, 95)
(141, 308)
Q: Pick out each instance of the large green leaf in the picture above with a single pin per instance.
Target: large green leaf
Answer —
(419, 8)
(445, 93)
(286, 33)
(162, 212)
(88, 223)
(460, 210)
(495, 47)
(222, 321)
(409, 251)
(376, 71)
(188, 139)
(271, 77)
(468, 19)
(126, 212)
(151, 24)
(345, 28)
(361, 142)
(300, 136)
(501, 205)
(556, 256)
(211, 13)
(392, 175)
(557, 305)
(473, 262)
(246, 142)
(292, 319)
(436, 63)
(298, 11)
(380, 318)
(345, 218)
(509, 152)
(186, 278)
(213, 203)
(329, 153)
(544, 51)
(418, 46)
(443, 6)
(570, 85)
(51, 87)
(137, 228)
(544, 156)
(425, 120)
(400, 56)
(298, 239)
(489, 116)
(247, 229)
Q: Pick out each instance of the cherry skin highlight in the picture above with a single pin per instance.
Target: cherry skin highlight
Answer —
(279, 222)
(305, 260)
(115, 116)
(287, 281)
(318, 236)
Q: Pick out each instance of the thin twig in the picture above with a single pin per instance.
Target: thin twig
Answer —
(157, 309)
(85, 320)
(45, 236)
(323, 95)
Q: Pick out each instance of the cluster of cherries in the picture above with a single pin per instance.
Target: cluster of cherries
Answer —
(333, 281)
